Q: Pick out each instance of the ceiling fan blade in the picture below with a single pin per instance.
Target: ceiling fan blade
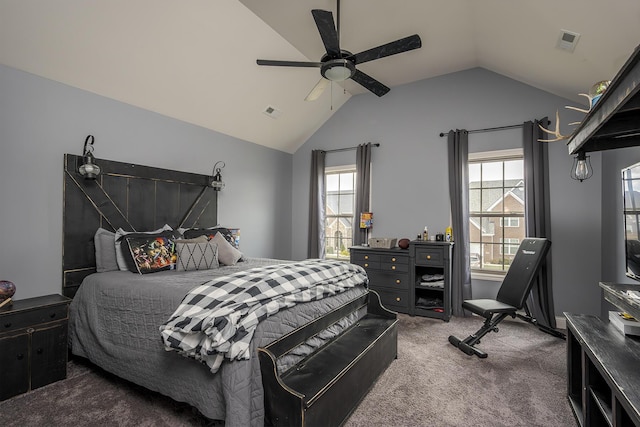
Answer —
(288, 63)
(328, 33)
(393, 48)
(370, 83)
(318, 89)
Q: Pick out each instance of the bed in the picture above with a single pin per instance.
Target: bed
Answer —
(115, 315)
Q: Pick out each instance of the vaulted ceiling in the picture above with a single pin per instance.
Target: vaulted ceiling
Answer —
(196, 60)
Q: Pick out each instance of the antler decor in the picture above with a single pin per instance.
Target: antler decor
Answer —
(556, 133)
(593, 96)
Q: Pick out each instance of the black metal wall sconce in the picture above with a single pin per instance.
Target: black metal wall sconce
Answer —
(216, 179)
(581, 169)
(88, 169)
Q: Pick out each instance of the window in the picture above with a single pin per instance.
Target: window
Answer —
(510, 246)
(510, 222)
(339, 217)
(496, 209)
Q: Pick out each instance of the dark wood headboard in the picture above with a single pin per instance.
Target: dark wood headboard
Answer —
(127, 196)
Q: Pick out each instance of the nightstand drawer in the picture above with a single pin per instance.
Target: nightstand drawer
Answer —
(429, 256)
(20, 320)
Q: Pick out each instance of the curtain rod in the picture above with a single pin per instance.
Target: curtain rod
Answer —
(489, 129)
(348, 148)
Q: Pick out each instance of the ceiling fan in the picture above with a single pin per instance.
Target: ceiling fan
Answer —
(338, 64)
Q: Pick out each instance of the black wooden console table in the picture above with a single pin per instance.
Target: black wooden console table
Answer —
(603, 373)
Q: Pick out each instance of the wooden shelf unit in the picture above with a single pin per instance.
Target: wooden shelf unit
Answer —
(430, 258)
(614, 121)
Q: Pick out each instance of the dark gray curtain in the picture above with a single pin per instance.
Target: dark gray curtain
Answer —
(363, 190)
(317, 206)
(458, 146)
(537, 217)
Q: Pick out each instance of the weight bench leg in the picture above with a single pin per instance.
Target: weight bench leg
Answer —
(467, 345)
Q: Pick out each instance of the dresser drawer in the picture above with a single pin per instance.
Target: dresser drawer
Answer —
(429, 256)
(394, 299)
(400, 268)
(359, 257)
(366, 260)
(388, 281)
(368, 265)
(20, 320)
(395, 259)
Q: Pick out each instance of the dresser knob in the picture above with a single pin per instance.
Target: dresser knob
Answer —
(52, 315)
(39, 351)
(393, 267)
(393, 259)
(398, 299)
(398, 281)
(366, 257)
(366, 265)
(20, 356)
(7, 325)
(428, 256)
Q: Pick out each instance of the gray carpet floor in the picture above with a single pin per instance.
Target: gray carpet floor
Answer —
(431, 383)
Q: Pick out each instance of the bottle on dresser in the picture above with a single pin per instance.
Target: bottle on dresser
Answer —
(448, 234)
(425, 234)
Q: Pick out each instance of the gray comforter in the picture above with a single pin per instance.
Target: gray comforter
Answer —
(114, 323)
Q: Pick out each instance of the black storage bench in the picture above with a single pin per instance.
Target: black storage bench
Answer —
(327, 385)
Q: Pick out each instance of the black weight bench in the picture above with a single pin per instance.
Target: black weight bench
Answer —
(511, 297)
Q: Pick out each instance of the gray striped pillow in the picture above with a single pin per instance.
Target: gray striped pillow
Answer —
(196, 256)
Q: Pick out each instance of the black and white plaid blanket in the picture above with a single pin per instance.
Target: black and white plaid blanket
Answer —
(216, 320)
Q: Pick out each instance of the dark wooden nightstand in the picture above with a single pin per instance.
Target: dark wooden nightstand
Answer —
(33, 343)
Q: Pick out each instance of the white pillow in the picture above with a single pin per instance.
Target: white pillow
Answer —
(227, 254)
(122, 264)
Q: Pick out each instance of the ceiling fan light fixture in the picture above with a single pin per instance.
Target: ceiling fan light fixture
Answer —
(338, 70)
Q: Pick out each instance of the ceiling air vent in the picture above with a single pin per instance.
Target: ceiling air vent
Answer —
(568, 40)
(272, 112)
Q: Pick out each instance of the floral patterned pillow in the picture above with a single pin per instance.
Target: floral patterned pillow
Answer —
(150, 254)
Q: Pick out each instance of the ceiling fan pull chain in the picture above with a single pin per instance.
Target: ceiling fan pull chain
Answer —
(331, 90)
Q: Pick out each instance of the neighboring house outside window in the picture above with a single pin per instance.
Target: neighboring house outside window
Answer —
(339, 216)
(496, 209)
(510, 222)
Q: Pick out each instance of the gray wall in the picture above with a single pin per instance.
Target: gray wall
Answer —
(268, 191)
(409, 170)
(40, 120)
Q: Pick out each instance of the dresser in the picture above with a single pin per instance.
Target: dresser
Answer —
(33, 343)
(388, 271)
(430, 279)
